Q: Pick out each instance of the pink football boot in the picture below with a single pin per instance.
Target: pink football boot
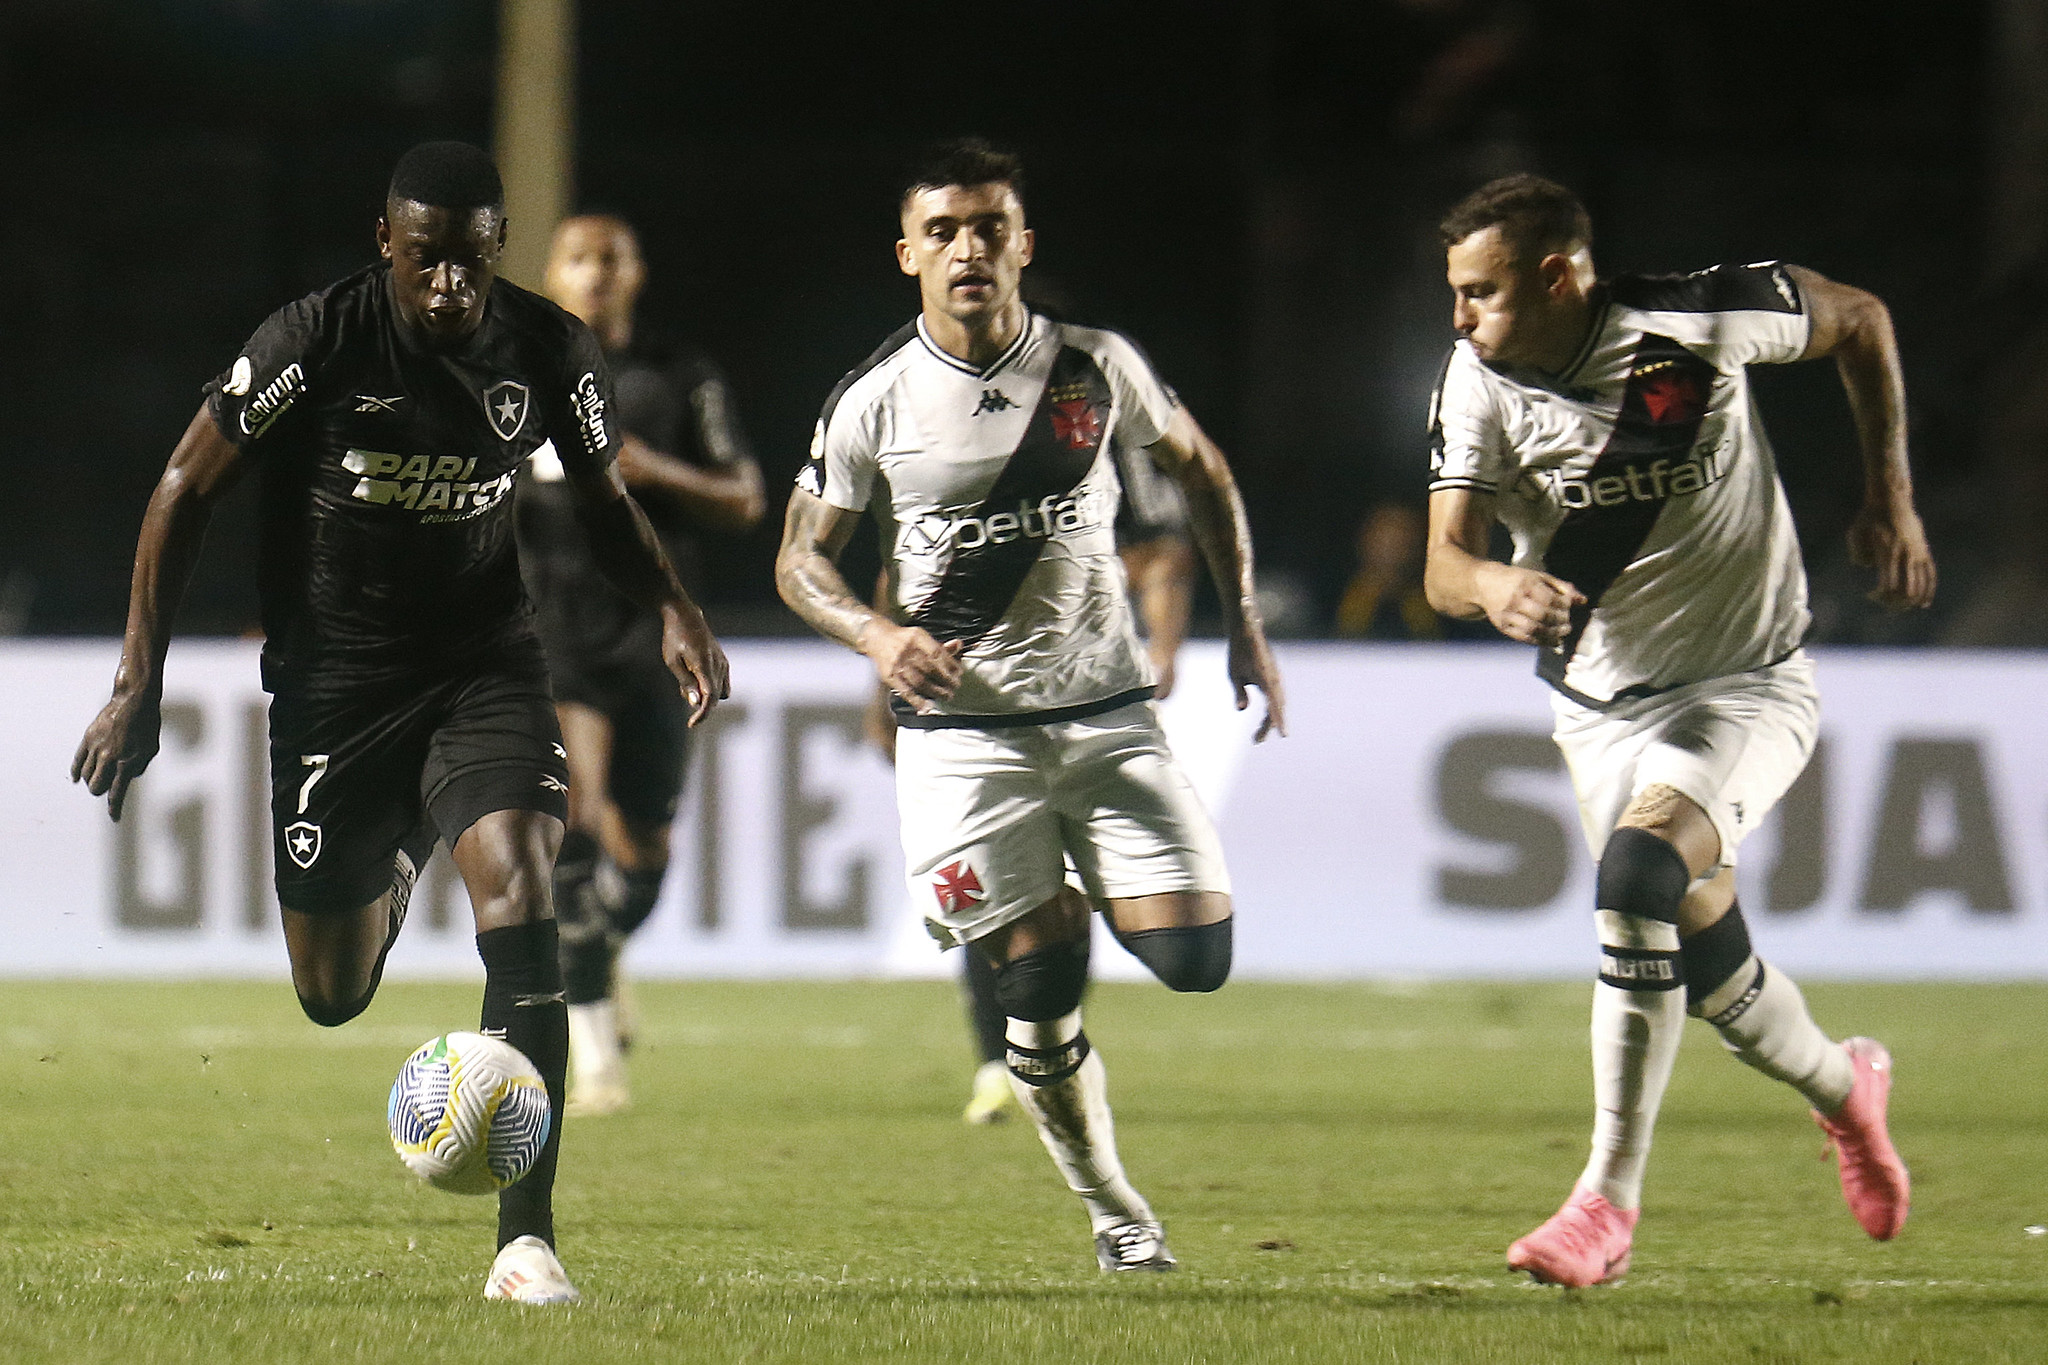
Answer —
(1585, 1242)
(1874, 1180)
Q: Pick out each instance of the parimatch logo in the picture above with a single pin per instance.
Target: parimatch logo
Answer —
(440, 487)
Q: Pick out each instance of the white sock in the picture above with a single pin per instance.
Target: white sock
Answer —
(1635, 1043)
(1762, 1019)
(1072, 1118)
(594, 1043)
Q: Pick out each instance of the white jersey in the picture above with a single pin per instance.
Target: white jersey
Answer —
(995, 491)
(1641, 475)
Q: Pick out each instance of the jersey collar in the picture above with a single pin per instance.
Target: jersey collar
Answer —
(1015, 348)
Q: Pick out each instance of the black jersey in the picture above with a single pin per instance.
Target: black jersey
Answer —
(387, 472)
(676, 400)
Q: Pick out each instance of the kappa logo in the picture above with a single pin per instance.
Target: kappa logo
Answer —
(993, 400)
(550, 782)
(808, 480)
(240, 377)
(506, 403)
(369, 402)
(560, 752)
(958, 887)
(302, 842)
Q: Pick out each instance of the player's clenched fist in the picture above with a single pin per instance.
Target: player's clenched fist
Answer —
(1525, 605)
(1892, 541)
(911, 663)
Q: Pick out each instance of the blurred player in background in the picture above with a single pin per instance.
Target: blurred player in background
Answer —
(1609, 426)
(387, 416)
(686, 462)
(979, 436)
(1159, 562)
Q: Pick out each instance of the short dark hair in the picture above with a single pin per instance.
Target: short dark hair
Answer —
(1535, 216)
(448, 175)
(964, 161)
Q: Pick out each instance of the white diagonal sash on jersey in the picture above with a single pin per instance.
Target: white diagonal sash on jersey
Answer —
(1662, 407)
(1058, 449)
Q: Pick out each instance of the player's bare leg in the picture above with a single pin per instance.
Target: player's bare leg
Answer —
(506, 859)
(338, 959)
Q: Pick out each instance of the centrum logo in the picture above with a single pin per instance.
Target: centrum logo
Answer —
(277, 396)
(441, 485)
(590, 413)
(1652, 482)
(1050, 517)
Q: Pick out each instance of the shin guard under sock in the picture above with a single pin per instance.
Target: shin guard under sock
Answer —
(1059, 1081)
(581, 921)
(1638, 1007)
(1760, 1014)
(523, 1005)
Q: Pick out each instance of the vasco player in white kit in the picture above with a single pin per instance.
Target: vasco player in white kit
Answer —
(980, 438)
(1609, 426)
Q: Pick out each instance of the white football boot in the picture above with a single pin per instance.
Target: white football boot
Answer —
(597, 1068)
(526, 1271)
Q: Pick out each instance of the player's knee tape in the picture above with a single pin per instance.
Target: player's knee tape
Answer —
(1194, 957)
(1722, 974)
(1641, 875)
(1044, 983)
(1642, 880)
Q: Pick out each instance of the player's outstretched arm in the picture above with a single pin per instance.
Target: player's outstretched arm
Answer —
(907, 659)
(630, 554)
(1461, 580)
(122, 739)
(723, 497)
(1162, 570)
(1216, 516)
(1855, 327)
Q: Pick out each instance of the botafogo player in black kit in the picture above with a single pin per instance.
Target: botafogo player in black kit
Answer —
(624, 725)
(980, 437)
(387, 417)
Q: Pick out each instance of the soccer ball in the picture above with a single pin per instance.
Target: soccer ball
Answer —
(469, 1114)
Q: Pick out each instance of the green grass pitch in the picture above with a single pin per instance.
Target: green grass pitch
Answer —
(193, 1173)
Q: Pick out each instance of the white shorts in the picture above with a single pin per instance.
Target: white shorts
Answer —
(1732, 745)
(992, 818)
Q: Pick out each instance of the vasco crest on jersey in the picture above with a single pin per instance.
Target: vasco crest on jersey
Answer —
(506, 404)
(1075, 419)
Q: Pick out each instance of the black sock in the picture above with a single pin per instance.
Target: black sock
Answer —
(984, 1013)
(581, 920)
(638, 891)
(523, 1005)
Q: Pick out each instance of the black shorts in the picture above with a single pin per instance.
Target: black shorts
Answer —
(650, 723)
(358, 773)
